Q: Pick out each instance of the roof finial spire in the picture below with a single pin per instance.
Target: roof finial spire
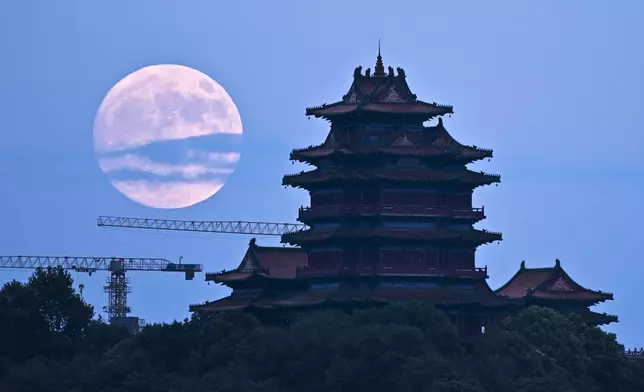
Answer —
(380, 68)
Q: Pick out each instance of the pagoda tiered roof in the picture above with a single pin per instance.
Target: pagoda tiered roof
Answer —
(469, 237)
(264, 261)
(595, 318)
(232, 302)
(432, 141)
(478, 294)
(459, 176)
(549, 284)
(379, 92)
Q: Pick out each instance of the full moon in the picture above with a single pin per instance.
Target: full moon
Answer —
(167, 136)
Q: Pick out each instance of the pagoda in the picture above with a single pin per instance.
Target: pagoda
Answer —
(552, 287)
(389, 195)
(390, 219)
(391, 214)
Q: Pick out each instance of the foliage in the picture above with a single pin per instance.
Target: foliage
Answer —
(52, 343)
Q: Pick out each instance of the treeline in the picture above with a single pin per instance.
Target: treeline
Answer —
(51, 342)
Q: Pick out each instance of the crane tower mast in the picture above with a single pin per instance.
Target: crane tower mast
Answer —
(117, 284)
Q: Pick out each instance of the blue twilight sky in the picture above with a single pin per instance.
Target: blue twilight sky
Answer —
(555, 88)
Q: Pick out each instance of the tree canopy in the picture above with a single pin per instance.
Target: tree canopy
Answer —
(52, 343)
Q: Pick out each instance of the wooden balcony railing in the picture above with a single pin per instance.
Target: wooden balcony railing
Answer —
(390, 209)
(308, 272)
(635, 353)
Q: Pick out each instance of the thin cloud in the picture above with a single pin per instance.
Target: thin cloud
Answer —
(219, 157)
(133, 162)
(158, 127)
(168, 195)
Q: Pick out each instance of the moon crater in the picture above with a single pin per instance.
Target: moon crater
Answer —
(167, 136)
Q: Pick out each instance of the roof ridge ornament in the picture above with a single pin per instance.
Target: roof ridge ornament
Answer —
(522, 267)
(557, 263)
(379, 70)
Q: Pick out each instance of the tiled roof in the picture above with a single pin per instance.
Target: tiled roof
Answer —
(551, 283)
(524, 281)
(231, 302)
(382, 232)
(569, 295)
(384, 93)
(432, 141)
(418, 107)
(281, 262)
(228, 276)
(402, 150)
(598, 318)
(266, 261)
(369, 85)
(395, 174)
(444, 296)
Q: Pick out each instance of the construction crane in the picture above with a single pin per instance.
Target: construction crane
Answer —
(117, 284)
(228, 227)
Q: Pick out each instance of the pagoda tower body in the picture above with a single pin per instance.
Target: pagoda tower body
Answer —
(391, 213)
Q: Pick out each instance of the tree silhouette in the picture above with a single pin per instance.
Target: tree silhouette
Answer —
(52, 344)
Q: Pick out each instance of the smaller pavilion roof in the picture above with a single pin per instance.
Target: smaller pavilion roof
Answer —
(266, 261)
(551, 283)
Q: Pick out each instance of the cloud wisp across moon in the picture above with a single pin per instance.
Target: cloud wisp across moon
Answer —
(167, 136)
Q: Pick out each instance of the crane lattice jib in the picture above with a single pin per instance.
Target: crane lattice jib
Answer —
(227, 227)
(96, 263)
